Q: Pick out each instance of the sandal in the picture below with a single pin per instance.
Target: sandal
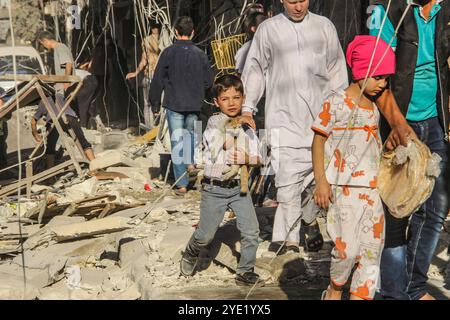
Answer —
(313, 237)
(276, 247)
(180, 191)
(292, 248)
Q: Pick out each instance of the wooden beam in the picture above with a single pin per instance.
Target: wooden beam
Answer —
(12, 103)
(44, 78)
(4, 191)
(62, 134)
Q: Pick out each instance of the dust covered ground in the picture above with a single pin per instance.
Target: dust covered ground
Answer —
(120, 234)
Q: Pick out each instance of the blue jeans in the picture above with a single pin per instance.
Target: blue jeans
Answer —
(182, 139)
(215, 201)
(407, 256)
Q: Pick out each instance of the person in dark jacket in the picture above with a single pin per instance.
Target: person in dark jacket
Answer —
(420, 88)
(183, 73)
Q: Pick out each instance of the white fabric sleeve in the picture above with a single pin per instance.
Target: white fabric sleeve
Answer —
(336, 64)
(256, 66)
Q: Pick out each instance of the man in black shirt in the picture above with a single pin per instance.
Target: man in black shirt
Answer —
(184, 74)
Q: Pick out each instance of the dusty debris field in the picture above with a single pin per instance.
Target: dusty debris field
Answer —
(119, 235)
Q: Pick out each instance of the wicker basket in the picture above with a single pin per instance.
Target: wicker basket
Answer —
(225, 49)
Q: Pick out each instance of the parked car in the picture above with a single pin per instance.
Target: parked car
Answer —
(28, 61)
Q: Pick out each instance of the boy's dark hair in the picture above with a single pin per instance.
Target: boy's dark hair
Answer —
(184, 25)
(252, 20)
(46, 35)
(226, 82)
(156, 25)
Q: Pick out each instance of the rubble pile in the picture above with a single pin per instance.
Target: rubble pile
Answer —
(119, 234)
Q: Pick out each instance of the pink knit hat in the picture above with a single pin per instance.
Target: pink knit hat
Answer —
(359, 53)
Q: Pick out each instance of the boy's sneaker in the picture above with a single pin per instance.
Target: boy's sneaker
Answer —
(188, 264)
(249, 279)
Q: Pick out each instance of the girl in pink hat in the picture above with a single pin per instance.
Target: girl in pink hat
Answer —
(346, 154)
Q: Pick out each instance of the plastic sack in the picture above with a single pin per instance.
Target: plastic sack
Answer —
(406, 177)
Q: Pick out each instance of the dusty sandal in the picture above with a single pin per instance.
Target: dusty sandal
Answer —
(313, 237)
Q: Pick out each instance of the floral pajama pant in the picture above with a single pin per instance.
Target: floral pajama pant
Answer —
(355, 223)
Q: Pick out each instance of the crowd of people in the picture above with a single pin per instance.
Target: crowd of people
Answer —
(323, 130)
(325, 133)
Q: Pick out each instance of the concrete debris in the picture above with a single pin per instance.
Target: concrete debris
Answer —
(104, 236)
(79, 192)
(39, 188)
(49, 235)
(110, 159)
(11, 288)
(174, 241)
(130, 251)
(64, 220)
(136, 174)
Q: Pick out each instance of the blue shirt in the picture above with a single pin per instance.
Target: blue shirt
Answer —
(423, 104)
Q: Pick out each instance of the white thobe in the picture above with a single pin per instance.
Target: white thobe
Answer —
(241, 56)
(299, 64)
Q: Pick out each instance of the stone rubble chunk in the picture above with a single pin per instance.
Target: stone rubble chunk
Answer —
(79, 191)
(64, 220)
(130, 251)
(140, 174)
(110, 159)
(12, 288)
(92, 279)
(36, 188)
(174, 241)
(50, 235)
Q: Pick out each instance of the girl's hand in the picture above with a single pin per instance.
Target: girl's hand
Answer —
(323, 195)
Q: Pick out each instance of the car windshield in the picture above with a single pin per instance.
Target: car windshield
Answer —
(24, 65)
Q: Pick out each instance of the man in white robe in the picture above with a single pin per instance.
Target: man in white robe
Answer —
(297, 58)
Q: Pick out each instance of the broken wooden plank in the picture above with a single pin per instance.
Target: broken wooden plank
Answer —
(108, 209)
(7, 190)
(41, 77)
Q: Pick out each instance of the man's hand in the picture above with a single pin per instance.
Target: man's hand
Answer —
(323, 195)
(400, 135)
(401, 132)
(239, 157)
(247, 118)
(85, 66)
(67, 85)
(131, 75)
(37, 136)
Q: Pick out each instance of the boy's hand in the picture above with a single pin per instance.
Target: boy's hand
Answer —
(323, 195)
(239, 157)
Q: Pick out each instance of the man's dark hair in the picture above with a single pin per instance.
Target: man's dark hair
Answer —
(226, 82)
(46, 35)
(252, 20)
(184, 25)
